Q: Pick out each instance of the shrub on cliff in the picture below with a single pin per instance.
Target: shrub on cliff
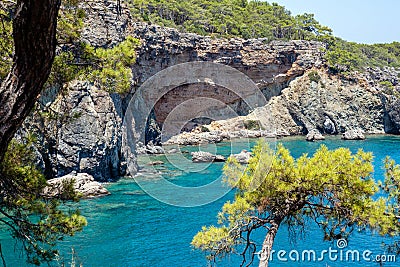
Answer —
(314, 77)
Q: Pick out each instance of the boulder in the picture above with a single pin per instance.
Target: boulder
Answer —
(314, 135)
(201, 156)
(355, 134)
(243, 157)
(152, 149)
(83, 183)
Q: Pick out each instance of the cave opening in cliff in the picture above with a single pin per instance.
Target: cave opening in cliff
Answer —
(189, 106)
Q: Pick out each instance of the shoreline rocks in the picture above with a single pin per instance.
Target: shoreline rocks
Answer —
(201, 156)
(150, 148)
(193, 138)
(355, 134)
(314, 135)
(243, 157)
(83, 183)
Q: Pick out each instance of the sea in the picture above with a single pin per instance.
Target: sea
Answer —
(150, 220)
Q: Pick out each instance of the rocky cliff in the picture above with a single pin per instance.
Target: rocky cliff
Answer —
(83, 129)
(270, 65)
(81, 132)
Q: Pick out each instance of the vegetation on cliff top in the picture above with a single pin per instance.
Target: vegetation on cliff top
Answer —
(260, 19)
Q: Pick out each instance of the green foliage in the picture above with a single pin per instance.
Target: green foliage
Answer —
(113, 71)
(388, 88)
(204, 129)
(314, 76)
(386, 84)
(36, 220)
(110, 68)
(70, 22)
(6, 43)
(247, 19)
(391, 186)
(252, 124)
(344, 57)
(334, 189)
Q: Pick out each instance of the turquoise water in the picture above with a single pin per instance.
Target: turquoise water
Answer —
(130, 228)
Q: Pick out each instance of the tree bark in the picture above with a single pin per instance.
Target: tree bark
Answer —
(34, 33)
(269, 242)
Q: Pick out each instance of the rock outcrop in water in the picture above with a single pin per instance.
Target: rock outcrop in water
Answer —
(243, 157)
(355, 134)
(83, 184)
(202, 156)
(314, 135)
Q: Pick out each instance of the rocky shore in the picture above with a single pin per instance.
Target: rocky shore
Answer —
(83, 183)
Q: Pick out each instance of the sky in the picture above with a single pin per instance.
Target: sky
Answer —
(368, 21)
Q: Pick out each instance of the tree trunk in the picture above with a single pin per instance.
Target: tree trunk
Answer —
(34, 33)
(269, 242)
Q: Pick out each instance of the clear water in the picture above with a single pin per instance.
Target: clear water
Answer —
(130, 228)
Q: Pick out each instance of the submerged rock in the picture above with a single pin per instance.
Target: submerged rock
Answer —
(201, 156)
(83, 183)
(314, 135)
(154, 163)
(355, 134)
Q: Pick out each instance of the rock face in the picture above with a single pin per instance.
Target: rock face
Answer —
(269, 65)
(230, 131)
(353, 135)
(82, 132)
(392, 114)
(201, 156)
(331, 106)
(106, 23)
(83, 183)
(314, 135)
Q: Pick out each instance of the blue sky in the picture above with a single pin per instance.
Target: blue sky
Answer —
(353, 20)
